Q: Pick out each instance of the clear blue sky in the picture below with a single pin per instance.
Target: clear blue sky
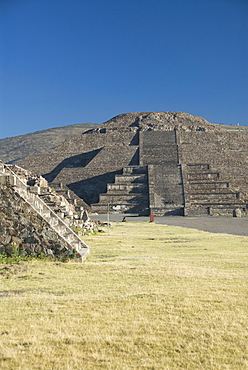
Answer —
(75, 61)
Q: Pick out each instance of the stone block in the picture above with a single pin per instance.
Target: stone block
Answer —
(35, 189)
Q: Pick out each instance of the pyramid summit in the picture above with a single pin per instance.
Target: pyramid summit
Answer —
(156, 120)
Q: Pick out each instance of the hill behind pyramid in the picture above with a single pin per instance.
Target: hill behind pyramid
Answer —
(14, 149)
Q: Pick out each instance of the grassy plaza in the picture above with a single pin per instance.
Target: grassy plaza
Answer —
(148, 296)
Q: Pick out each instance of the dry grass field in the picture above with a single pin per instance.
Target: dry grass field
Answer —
(148, 297)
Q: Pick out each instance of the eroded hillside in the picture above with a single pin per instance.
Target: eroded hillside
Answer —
(14, 149)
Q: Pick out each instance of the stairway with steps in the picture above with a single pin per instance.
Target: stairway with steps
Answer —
(31, 196)
(128, 194)
(159, 151)
(206, 192)
(73, 199)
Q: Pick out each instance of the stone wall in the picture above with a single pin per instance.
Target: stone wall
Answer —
(22, 229)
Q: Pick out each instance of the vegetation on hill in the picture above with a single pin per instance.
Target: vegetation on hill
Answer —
(149, 296)
(14, 149)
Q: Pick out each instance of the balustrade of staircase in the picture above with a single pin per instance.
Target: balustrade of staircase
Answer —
(55, 222)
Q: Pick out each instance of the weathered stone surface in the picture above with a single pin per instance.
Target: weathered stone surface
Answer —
(18, 228)
(237, 212)
(10, 249)
(16, 240)
(4, 239)
(168, 141)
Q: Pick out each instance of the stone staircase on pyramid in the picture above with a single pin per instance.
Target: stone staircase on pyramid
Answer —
(70, 196)
(31, 195)
(128, 194)
(207, 192)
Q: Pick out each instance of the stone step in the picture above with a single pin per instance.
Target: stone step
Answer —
(56, 185)
(198, 167)
(198, 176)
(122, 198)
(141, 209)
(141, 202)
(127, 188)
(49, 204)
(226, 211)
(129, 193)
(162, 151)
(135, 170)
(197, 211)
(225, 204)
(165, 161)
(64, 192)
(169, 210)
(216, 197)
(130, 178)
(208, 186)
(213, 210)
